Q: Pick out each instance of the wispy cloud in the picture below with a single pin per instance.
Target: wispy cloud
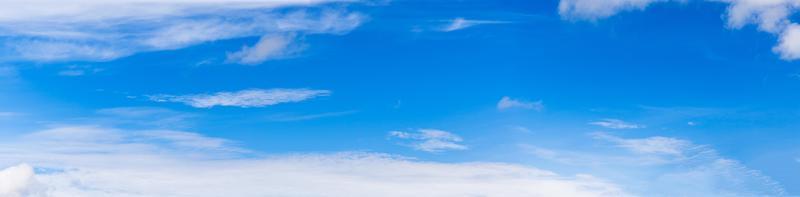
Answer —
(244, 98)
(73, 161)
(770, 16)
(51, 30)
(430, 140)
(268, 47)
(616, 124)
(78, 70)
(289, 117)
(461, 23)
(151, 117)
(651, 145)
(660, 164)
(510, 103)
(4, 114)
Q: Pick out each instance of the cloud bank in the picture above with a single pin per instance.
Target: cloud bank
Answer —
(74, 161)
(244, 98)
(52, 30)
(772, 16)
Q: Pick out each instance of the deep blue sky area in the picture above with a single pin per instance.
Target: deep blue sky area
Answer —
(588, 94)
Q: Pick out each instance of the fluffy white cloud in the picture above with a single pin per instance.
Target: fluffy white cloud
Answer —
(616, 124)
(51, 30)
(15, 179)
(243, 98)
(151, 165)
(770, 15)
(461, 23)
(510, 103)
(431, 140)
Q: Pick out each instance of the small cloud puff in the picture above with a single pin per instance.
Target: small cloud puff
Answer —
(510, 103)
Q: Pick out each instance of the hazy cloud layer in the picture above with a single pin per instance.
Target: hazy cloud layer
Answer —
(74, 161)
(616, 124)
(662, 164)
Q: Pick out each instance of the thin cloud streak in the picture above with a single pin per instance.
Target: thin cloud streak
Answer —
(244, 98)
(430, 140)
(461, 23)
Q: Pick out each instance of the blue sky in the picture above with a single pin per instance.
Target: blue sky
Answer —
(426, 98)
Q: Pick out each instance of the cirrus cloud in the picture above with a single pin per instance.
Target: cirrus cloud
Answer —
(51, 30)
(244, 98)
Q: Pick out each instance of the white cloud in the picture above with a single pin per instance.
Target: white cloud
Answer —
(616, 124)
(593, 9)
(268, 47)
(770, 15)
(431, 140)
(68, 166)
(14, 180)
(510, 103)
(789, 44)
(461, 23)
(243, 98)
(52, 30)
